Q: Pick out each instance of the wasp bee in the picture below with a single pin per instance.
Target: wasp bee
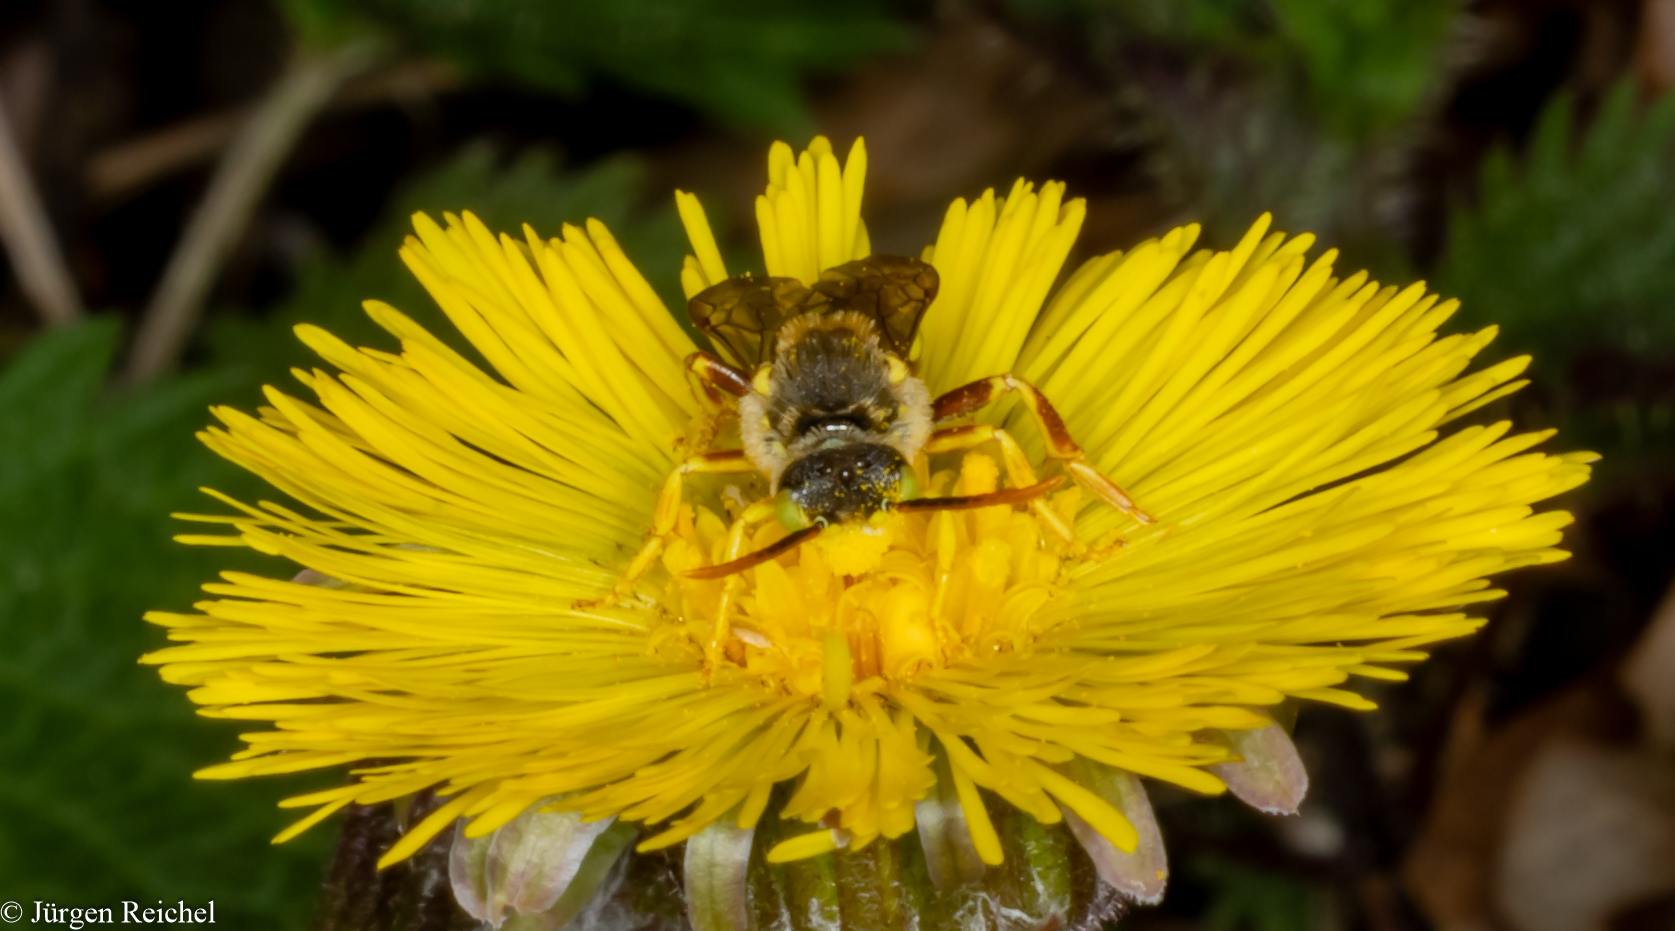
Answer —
(830, 411)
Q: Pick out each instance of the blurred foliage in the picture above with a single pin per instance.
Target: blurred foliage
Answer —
(1358, 67)
(329, 288)
(1304, 108)
(1246, 899)
(1368, 64)
(1575, 247)
(97, 800)
(1571, 251)
(740, 60)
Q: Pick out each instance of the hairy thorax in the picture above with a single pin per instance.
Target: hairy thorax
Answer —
(832, 386)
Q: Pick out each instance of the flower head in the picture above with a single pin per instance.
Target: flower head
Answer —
(1316, 518)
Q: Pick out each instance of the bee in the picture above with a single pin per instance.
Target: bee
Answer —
(830, 410)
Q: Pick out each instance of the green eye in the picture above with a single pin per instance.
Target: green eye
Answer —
(908, 485)
(789, 512)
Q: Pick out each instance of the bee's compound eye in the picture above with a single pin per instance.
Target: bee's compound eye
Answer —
(789, 512)
(907, 486)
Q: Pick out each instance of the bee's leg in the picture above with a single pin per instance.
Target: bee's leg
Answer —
(1019, 471)
(755, 514)
(985, 391)
(664, 517)
(714, 376)
(716, 385)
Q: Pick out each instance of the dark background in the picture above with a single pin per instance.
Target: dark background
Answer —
(1515, 153)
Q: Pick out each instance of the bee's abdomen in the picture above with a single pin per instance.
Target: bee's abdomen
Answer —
(853, 480)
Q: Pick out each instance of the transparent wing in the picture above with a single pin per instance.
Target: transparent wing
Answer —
(742, 315)
(894, 290)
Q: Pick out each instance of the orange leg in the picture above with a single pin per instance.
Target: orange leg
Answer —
(985, 391)
(668, 510)
(762, 510)
(715, 377)
(1019, 472)
(716, 385)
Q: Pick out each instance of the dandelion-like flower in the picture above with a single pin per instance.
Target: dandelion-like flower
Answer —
(481, 613)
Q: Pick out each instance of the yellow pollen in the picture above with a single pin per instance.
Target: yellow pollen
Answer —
(899, 596)
(857, 550)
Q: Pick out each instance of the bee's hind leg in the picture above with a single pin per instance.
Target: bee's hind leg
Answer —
(979, 394)
(664, 517)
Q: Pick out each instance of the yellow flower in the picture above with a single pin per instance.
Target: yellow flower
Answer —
(1316, 519)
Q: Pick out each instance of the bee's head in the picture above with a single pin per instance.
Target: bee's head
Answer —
(828, 486)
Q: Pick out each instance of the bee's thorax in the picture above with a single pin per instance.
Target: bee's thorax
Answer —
(832, 385)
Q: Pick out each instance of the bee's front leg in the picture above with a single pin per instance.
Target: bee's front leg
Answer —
(979, 394)
(717, 386)
(667, 512)
(757, 513)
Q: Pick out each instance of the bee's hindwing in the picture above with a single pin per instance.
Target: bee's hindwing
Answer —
(894, 290)
(743, 315)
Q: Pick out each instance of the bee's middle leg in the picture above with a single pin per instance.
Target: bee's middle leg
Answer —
(721, 461)
(979, 394)
(1019, 471)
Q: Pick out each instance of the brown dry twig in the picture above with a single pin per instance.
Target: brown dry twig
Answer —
(36, 258)
(237, 186)
(129, 167)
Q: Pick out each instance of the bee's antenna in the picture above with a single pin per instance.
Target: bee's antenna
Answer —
(749, 560)
(962, 502)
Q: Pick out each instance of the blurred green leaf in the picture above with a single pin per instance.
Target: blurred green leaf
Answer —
(324, 24)
(1302, 108)
(740, 60)
(1203, 23)
(1570, 250)
(531, 189)
(1368, 64)
(97, 802)
(1575, 248)
(1356, 67)
(1247, 899)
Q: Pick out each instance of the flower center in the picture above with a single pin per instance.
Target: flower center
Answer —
(858, 605)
